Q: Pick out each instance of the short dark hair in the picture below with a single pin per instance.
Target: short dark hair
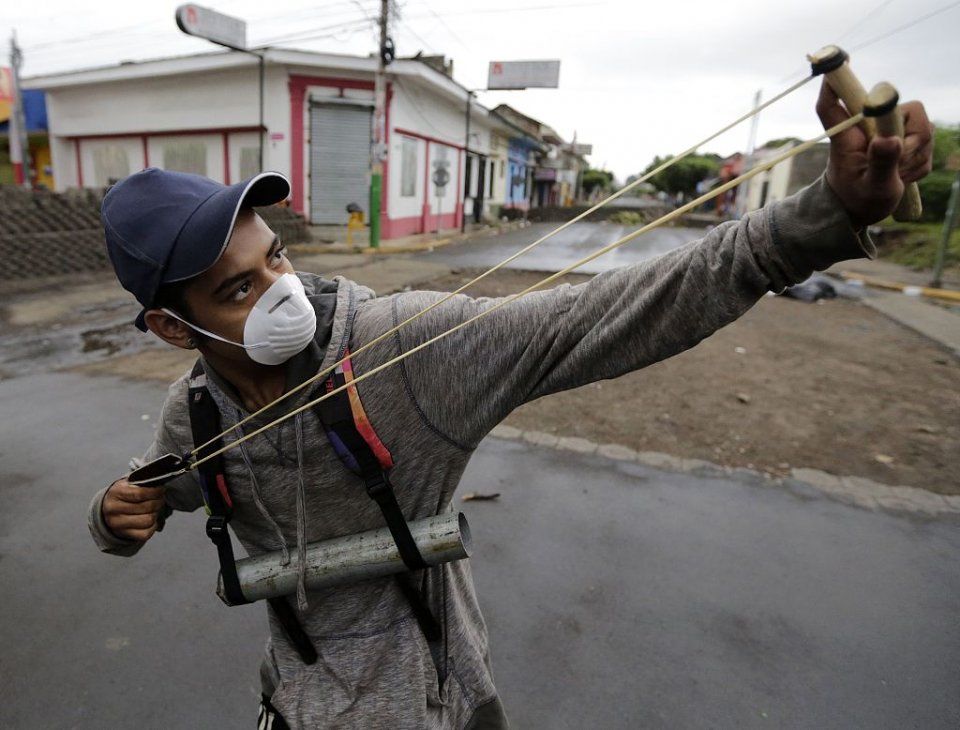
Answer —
(174, 296)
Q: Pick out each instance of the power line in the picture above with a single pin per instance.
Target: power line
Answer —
(450, 30)
(882, 36)
(903, 27)
(865, 19)
(319, 32)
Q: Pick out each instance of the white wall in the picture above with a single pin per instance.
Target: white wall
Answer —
(413, 107)
(777, 177)
(213, 99)
(399, 206)
(448, 201)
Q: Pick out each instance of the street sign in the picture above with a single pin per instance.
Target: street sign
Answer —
(224, 30)
(441, 177)
(523, 74)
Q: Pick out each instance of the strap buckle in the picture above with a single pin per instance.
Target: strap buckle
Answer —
(377, 486)
(217, 527)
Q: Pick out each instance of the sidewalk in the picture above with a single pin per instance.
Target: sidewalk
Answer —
(936, 320)
(333, 239)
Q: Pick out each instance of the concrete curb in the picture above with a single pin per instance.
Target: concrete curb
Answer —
(856, 491)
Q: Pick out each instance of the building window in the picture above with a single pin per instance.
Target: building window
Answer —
(490, 181)
(408, 167)
(249, 162)
(185, 156)
(503, 169)
(110, 165)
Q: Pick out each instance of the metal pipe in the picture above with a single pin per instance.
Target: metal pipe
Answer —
(467, 169)
(262, 131)
(949, 223)
(352, 558)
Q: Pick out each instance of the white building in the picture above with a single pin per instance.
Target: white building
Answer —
(202, 114)
(786, 178)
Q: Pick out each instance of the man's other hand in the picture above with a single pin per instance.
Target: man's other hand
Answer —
(869, 177)
(131, 512)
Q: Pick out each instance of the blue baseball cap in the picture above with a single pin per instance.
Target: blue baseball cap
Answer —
(162, 227)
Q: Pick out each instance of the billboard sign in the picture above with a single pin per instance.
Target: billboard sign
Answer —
(224, 30)
(523, 75)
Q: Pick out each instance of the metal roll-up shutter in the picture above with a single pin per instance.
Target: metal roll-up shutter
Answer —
(339, 160)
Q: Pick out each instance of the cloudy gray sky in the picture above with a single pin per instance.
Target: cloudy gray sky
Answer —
(637, 78)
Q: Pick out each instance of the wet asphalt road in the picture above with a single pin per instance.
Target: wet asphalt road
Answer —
(564, 248)
(617, 596)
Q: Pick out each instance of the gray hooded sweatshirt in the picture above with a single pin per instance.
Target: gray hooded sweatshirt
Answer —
(375, 668)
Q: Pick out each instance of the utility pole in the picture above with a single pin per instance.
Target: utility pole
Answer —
(949, 222)
(378, 149)
(468, 170)
(743, 192)
(19, 149)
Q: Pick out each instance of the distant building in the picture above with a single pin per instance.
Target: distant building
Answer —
(38, 143)
(201, 114)
(547, 169)
(785, 178)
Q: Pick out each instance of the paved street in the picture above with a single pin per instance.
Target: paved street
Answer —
(617, 596)
(564, 248)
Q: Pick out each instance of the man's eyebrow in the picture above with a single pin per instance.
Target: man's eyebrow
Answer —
(237, 278)
(229, 282)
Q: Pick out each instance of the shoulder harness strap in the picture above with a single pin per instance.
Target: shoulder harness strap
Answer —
(361, 451)
(205, 425)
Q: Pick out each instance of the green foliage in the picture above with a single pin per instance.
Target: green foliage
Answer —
(627, 218)
(780, 142)
(946, 142)
(935, 194)
(596, 179)
(684, 175)
(915, 244)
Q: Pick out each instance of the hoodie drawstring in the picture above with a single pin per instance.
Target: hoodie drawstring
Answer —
(258, 498)
(301, 521)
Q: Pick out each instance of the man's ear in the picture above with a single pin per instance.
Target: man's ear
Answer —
(169, 329)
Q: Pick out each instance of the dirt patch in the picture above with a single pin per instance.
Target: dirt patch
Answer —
(832, 386)
(164, 365)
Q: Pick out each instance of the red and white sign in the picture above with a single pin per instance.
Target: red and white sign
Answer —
(224, 30)
(523, 74)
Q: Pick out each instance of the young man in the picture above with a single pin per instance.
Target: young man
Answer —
(212, 276)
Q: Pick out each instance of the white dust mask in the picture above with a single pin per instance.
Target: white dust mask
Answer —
(280, 325)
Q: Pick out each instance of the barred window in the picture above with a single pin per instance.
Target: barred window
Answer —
(185, 156)
(249, 162)
(408, 167)
(110, 164)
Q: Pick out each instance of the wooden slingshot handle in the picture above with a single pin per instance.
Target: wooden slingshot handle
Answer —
(882, 105)
(834, 63)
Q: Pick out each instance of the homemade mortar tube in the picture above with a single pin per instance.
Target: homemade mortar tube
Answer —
(352, 558)
(834, 63)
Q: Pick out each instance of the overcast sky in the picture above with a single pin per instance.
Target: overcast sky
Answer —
(637, 79)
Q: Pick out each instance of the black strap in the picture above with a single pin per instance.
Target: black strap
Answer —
(336, 415)
(205, 425)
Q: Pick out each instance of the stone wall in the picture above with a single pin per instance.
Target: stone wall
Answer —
(48, 234)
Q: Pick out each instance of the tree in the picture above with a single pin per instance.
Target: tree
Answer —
(683, 176)
(935, 187)
(596, 180)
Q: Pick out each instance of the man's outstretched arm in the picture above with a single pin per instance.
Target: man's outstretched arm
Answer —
(634, 316)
